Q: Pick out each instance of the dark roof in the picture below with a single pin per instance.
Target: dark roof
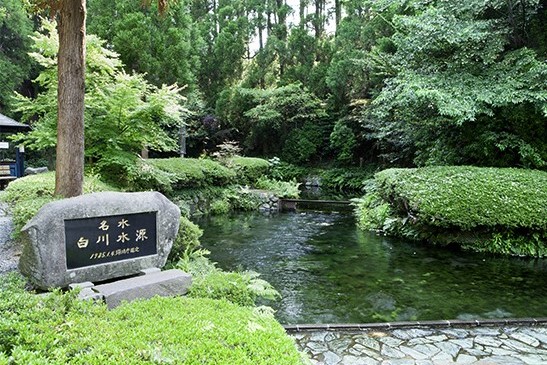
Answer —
(8, 124)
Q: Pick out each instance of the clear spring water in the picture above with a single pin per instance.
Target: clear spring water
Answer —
(328, 271)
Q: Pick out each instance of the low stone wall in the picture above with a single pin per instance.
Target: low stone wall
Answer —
(269, 202)
(200, 202)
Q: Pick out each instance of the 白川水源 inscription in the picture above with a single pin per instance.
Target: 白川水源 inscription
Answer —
(98, 240)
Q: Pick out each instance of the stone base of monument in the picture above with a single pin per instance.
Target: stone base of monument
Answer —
(153, 282)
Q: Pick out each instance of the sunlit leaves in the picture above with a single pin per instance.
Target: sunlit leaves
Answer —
(123, 114)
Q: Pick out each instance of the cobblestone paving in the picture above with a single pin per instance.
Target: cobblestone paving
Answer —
(424, 346)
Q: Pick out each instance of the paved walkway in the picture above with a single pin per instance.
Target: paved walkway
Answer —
(427, 346)
(9, 252)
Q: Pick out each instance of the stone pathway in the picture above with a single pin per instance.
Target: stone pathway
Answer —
(9, 252)
(512, 345)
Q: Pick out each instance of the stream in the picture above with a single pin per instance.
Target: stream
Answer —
(329, 271)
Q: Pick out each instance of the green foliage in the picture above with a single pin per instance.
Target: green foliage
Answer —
(123, 115)
(242, 199)
(343, 142)
(249, 169)
(220, 207)
(282, 189)
(512, 243)
(60, 329)
(15, 30)
(468, 197)
(264, 119)
(346, 179)
(241, 288)
(483, 209)
(27, 195)
(226, 151)
(303, 144)
(284, 171)
(165, 47)
(187, 240)
(206, 200)
(460, 87)
(372, 213)
(229, 286)
(145, 176)
(193, 173)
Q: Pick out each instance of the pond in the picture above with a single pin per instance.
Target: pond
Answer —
(328, 271)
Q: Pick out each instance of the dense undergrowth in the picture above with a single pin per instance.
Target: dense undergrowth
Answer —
(498, 210)
(208, 184)
(217, 323)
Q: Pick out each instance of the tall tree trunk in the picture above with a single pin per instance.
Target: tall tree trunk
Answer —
(260, 31)
(338, 12)
(69, 174)
(302, 12)
(319, 19)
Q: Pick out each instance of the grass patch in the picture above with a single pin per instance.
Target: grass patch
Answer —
(500, 210)
(27, 195)
(59, 329)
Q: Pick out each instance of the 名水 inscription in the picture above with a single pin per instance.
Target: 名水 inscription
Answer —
(98, 240)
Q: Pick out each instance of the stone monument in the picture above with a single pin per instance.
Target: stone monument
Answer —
(104, 236)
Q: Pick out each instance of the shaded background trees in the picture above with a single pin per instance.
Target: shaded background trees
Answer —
(392, 82)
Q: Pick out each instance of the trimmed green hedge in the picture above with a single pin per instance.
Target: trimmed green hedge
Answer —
(249, 169)
(486, 209)
(59, 329)
(194, 173)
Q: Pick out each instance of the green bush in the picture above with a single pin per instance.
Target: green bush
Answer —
(221, 206)
(346, 179)
(372, 212)
(27, 195)
(242, 199)
(187, 240)
(468, 197)
(343, 142)
(194, 173)
(59, 329)
(498, 210)
(145, 176)
(303, 144)
(249, 169)
(230, 286)
(215, 200)
(283, 189)
(284, 171)
(241, 288)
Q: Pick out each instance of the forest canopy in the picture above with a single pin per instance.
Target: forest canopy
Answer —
(389, 82)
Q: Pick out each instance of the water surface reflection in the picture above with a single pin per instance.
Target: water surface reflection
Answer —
(328, 271)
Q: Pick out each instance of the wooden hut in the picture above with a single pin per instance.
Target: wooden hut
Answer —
(12, 163)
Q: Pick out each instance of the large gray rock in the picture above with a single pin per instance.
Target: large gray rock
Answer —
(44, 259)
(35, 170)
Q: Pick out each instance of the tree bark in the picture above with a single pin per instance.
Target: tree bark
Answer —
(302, 12)
(338, 12)
(69, 174)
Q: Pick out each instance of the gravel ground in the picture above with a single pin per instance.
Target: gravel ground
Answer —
(9, 252)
